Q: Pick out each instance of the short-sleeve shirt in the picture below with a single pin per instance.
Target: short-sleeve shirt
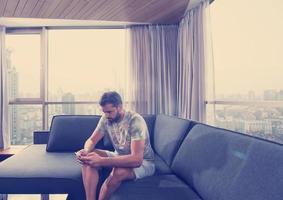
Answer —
(132, 127)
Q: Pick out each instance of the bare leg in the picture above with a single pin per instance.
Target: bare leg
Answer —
(114, 181)
(90, 178)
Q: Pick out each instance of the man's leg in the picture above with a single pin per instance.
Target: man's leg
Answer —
(114, 181)
(90, 178)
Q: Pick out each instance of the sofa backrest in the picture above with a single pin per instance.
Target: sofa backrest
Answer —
(168, 134)
(69, 132)
(150, 122)
(221, 164)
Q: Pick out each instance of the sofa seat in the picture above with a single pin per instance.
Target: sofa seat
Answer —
(36, 171)
(165, 187)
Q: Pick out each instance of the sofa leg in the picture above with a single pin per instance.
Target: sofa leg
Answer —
(3, 196)
(44, 197)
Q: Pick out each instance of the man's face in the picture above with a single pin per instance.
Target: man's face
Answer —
(111, 112)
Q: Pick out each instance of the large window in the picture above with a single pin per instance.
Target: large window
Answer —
(82, 64)
(53, 72)
(23, 65)
(248, 46)
(24, 85)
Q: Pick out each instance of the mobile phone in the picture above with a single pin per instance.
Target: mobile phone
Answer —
(79, 161)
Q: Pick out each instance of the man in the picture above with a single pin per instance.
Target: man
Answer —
(133, 157)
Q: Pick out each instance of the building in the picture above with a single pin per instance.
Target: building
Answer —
(68, 109)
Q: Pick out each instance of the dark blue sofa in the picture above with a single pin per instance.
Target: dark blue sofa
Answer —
(194, 161)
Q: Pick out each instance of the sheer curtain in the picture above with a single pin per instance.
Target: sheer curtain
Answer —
(153, 59)
(4, 125)
(194, 58)
(168, 64)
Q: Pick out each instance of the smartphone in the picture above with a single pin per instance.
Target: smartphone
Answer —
(78, 155)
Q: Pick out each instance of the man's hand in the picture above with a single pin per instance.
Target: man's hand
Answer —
(92, 159)
(81, 152)
(79, 155)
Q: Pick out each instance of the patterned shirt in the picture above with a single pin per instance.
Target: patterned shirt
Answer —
(131, 127)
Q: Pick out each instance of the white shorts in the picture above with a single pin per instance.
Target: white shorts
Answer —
(147, 168)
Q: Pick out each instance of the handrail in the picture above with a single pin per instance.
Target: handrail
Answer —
(251, 103)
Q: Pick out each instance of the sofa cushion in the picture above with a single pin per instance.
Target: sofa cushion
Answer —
(165, 187)
(222, 164)
(150, 121)
(168, 135)
(160, 166)
(36, 171)
(40, 137)
(69, 133)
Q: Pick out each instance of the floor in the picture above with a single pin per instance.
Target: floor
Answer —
(36, 197)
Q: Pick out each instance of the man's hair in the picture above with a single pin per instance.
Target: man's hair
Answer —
(110, 98)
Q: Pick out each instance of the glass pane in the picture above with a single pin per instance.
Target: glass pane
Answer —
(248, 48)
(72, 109)
(210, 114)
(85, 63)
(261, 121)
(24, 119)
(23, 65)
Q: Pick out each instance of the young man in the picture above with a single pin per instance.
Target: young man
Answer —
(133, 157)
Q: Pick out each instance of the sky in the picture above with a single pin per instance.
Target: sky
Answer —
(248, 45)
(84, 60)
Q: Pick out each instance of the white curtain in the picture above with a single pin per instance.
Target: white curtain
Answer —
(4, 125)
(169, 64)
(153, 68)
(193, 60)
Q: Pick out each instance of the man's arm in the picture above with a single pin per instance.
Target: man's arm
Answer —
(96, 136)
(132, 160)
(89, 145)
(92, 141)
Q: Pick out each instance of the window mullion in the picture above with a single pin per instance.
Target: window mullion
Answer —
(44, 77)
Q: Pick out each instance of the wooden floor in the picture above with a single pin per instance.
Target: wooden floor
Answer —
(36, 197)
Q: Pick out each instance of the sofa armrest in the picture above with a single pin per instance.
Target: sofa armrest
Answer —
(40, 137)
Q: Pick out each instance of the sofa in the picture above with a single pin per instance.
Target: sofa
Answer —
(194, 161)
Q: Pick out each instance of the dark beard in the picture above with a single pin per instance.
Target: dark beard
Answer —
(117, 118)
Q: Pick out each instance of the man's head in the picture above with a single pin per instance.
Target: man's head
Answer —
(111, 103)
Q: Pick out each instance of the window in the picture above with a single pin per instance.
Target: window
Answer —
(24, 119)
(73, 67)
(247, 39)
(23, 79)
(23, 65)
(84, 63)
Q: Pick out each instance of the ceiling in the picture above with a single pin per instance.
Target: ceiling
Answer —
(133, 11)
